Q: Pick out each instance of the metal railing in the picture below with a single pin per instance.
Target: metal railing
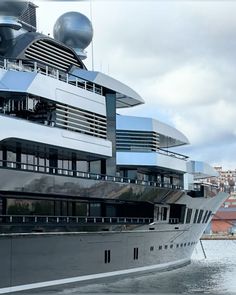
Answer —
(172, 154)
(80, 174)
(159, 151)
(30, 66)
(61, 220)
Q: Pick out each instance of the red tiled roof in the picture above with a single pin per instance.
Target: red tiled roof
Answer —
(228, 215)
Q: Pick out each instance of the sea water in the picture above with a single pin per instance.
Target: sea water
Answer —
(215, 274)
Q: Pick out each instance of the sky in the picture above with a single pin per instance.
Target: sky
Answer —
(180, 56)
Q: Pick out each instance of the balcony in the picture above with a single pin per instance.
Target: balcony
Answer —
(34, 67)
(39, 169)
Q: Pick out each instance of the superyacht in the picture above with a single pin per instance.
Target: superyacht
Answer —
(86, 193)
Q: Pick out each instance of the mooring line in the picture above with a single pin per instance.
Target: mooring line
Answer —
(203, 250)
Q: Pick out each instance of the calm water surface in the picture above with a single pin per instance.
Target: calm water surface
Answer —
(214, 275)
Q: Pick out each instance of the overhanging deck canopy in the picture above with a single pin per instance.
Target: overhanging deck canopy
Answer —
(125, 96)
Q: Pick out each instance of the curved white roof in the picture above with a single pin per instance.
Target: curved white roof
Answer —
(168, 135)
(201, 169)
(125, 96)
(151, 160)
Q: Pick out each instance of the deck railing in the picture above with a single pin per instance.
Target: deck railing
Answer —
(62, 220)
(30, 66)
(77, 220)
(172, 154)
(80, 174)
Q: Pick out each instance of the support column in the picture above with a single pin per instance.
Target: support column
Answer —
(4, 156)
(110, 167)
(53, 161)
(18, 157)
(103, 167)
(162, 180)
(73, 162)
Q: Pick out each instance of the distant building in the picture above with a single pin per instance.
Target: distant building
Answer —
(223, 220)
(226, 179)
(225, 217)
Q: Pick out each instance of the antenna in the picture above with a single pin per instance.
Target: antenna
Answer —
(91, 18)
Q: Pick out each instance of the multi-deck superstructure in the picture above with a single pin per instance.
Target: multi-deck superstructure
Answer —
(85, 193)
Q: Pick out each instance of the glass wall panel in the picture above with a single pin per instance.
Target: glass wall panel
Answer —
(95, 209)
(23, 161)
(159, 179)
(95, 167)
(41, 163)
(70, 209)
(36, 161)
(30, 207)
(166, 180)
(30, 162)
(11, 159)
(43, 207)
(65, 165)
(82, 166)
(111, 211)
(133, 174)
(1, 206)
(57, 211)
(60, 166)
(64, 208)
(164, 213)
(152, 177)
(81, 209)
(47, 165)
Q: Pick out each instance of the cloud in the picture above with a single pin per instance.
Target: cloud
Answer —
(179, 55)
(208, 125)
(190, 84)
(197, 88)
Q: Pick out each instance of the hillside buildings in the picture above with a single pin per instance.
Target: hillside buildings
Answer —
(225, 218)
